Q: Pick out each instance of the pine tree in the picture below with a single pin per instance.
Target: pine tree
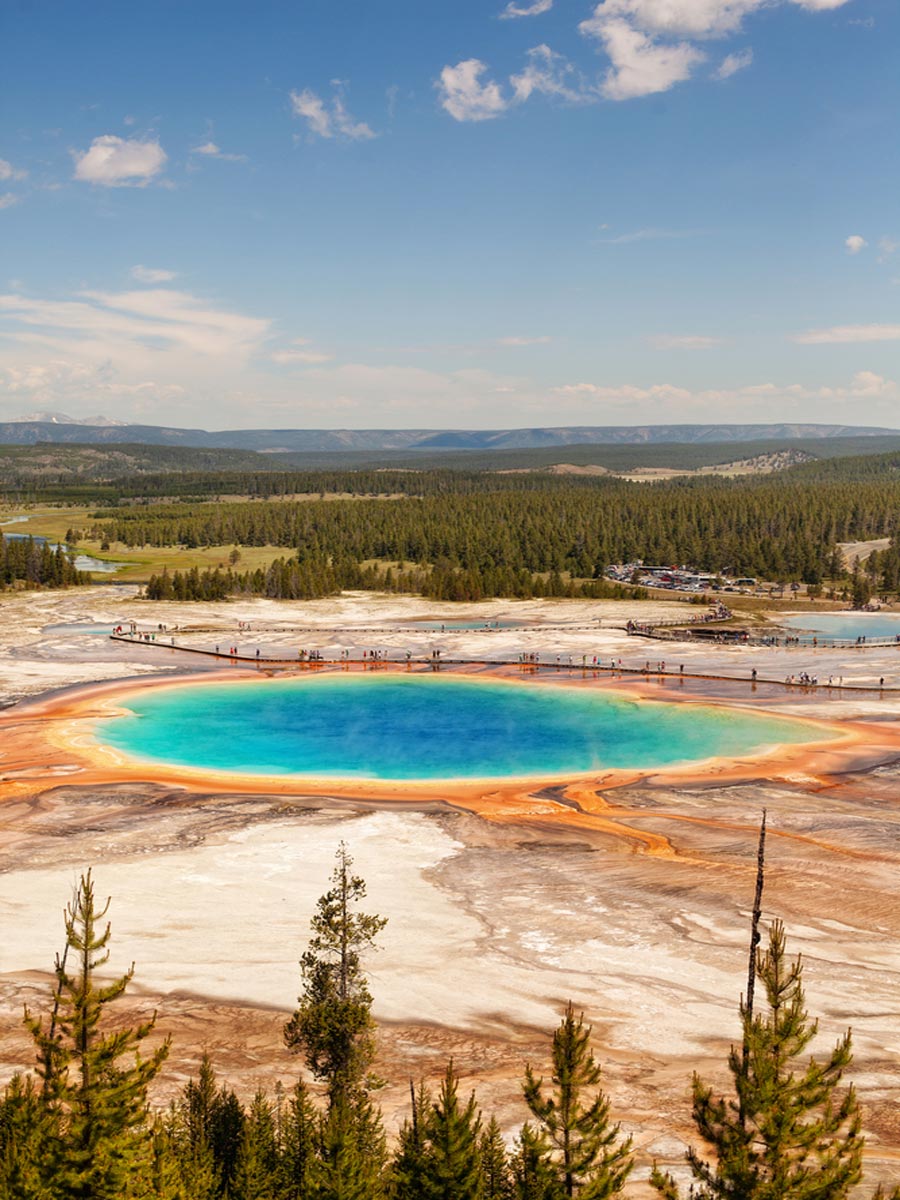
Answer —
(102, 1139)
(333, 1024)
(452, 1166)
(258, 1163)
(24, 1128)
(164, 1177)
(409, 1160)
(590, 1157)
(497, 1182)
(352, 1153)
(299, 1141)
(789, 1132)
(226, 1131)
(190, 1132)
(534, 1177)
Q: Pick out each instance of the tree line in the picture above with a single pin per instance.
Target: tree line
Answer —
(316, 577)
(80, 1127)
(32, 563)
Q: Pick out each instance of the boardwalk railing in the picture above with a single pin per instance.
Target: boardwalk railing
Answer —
(530, 662)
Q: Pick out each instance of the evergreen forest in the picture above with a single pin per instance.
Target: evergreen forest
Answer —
(27, 562)
(467, 535)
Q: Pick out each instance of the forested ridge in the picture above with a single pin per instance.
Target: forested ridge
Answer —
(81, 1127)
(772, 529)
(109, 474)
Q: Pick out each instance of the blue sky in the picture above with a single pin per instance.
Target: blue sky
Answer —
(447, 213)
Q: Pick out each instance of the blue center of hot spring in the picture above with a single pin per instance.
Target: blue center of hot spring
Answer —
(427, 727)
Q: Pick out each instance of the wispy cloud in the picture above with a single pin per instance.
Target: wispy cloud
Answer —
(103, 325)
(550, 74)
(844, 334)
(518, 340)
(467, 95)
(535, 9)
(684, 341)
(112, 161)
(211, 150)
(59, 382)
(732, 63)
(299, 353)
(8, 199)
(855, 243)
(650, 234)
(152, 274)
(328, 119)
(10, 173)
(772, 401)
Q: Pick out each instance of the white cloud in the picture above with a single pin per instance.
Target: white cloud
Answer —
(844, 334)
(8, 199)
(9, 172)
(675, 341)
(535, 9)
(651, 234)
(465, 97)
(886, 247)
(550, 74)
(624, 392)
(867, 383)
(119, 162)
(211, 150)
(142, 326)
(328, 121)
(152, 274)
(693, 18)
(300, 352)
(651, 43)
(543, 340)
(732, 63)
(759, 401)
(310, 106)
(77, 385)
(640, 66)
(300, 357)
(855, 243)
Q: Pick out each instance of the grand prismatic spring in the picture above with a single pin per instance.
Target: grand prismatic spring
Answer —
(427, 728)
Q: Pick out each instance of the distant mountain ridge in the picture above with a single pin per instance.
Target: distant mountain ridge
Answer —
(59, 418)
(56, 430)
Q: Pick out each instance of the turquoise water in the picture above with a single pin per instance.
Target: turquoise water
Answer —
(425, 727)
(78, 627)
(845, 626)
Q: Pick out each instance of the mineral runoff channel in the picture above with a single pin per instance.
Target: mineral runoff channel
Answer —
(632, 900)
